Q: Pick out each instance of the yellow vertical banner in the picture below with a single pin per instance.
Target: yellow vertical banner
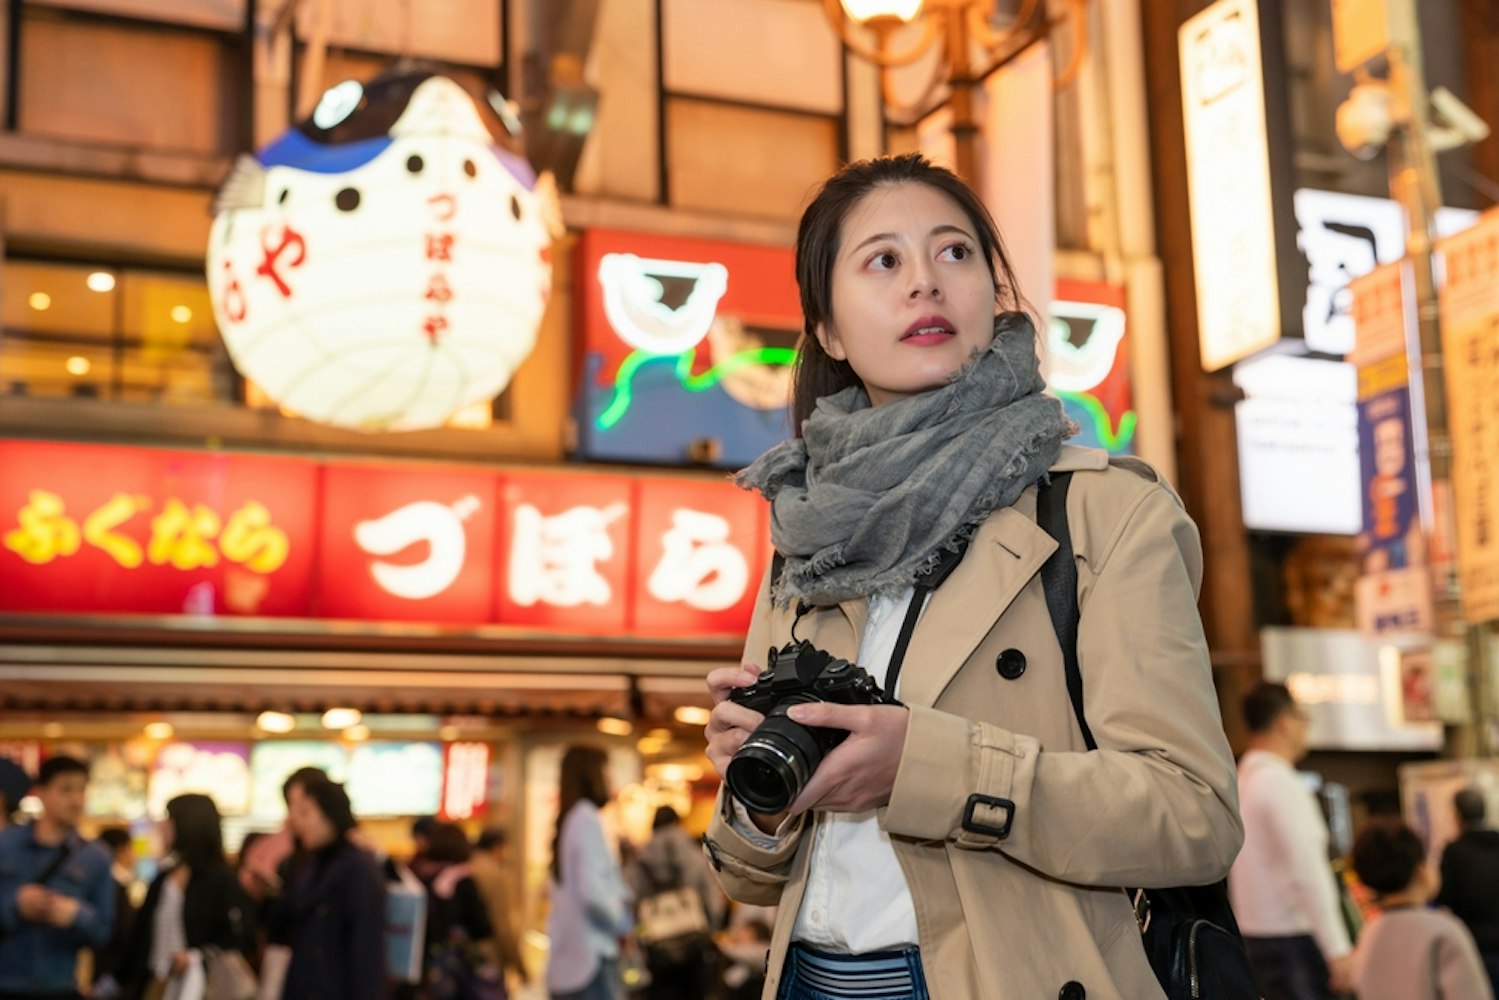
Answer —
(1470, 348)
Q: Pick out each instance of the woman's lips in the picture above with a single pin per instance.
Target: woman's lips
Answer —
(928, 330)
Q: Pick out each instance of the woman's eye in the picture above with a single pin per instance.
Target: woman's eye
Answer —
(958, 251)
(883, 261)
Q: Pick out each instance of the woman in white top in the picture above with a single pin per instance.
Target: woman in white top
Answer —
(965, 842)
(590, 908)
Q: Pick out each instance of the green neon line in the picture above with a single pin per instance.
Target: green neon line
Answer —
(623, 395)
(1099, 418)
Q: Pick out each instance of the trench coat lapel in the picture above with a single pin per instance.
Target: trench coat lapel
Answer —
(1007, 550)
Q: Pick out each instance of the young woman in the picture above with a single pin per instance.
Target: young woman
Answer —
(964, 843)
(590, 909)
(195, 902)
(331, 911)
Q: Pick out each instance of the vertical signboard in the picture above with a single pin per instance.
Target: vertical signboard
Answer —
(1470, 344)
(1229, 183)
(1394, 590)
(1087, 355)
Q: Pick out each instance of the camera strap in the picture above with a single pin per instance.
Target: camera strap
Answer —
(921, 591)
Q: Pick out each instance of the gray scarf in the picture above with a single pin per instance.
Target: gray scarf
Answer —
(870, 496)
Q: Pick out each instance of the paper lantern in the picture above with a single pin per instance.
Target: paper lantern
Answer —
(384, 263)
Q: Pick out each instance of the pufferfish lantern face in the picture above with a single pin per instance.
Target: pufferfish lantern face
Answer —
(383, 264)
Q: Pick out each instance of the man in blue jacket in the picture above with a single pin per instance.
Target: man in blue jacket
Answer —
(56, 892)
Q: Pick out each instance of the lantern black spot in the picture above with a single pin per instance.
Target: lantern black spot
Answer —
(347, 200)
(515, 207)
(414, 164)
(470, 168)
(285, 194)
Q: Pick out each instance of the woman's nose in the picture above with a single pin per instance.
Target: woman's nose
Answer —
(924, 283)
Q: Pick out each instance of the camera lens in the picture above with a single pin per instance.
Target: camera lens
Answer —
(773, 765)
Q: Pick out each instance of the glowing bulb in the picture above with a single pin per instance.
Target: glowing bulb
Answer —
(52, 730)
(864, 11)
(181, 314)
(611, 726)
(39, 301)
(357, 734)
(449, 733)
(341, 718)
(275, 722)
(159, 730)
(101, 281)
(691, 715)
(77, 365)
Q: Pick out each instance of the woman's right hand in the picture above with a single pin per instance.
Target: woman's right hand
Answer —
(731, 724)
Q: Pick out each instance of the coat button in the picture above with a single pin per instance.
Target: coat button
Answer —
(1011, 664)
(1072, 991)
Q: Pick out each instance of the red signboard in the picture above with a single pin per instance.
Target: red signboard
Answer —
(701, 552)
(567, 544)
(90, 528)
(415, 546)
(96, 529)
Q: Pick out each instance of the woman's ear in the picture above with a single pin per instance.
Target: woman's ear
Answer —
(831, 345)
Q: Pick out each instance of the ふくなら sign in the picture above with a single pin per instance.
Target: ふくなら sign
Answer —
(99, 529)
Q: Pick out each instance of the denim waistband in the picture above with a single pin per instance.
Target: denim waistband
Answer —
(894, 973)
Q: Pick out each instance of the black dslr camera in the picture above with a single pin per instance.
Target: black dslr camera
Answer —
(773, 765)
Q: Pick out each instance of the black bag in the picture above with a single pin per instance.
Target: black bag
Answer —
(1189, 932)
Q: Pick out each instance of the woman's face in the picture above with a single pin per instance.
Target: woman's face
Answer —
(912, 294)
(308, 825)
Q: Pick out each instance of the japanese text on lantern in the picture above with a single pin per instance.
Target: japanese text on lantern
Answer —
(182, 536)
(440, 255)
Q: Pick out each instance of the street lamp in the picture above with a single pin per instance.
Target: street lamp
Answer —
(959, 24)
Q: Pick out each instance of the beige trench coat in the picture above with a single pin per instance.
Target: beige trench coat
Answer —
(1022, 916)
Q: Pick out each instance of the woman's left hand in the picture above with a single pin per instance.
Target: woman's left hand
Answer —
(859, 773)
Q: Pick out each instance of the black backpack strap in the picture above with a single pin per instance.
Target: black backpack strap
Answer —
(1059, 579)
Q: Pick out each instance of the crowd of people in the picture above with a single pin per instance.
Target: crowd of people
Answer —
(313, 910)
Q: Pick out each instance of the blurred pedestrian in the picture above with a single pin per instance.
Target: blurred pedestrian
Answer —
(487, 867)
(1470, 877)
(196, 902)
(670, 879)
(1410, 951)
(590, 910)
(461, 959)
(1282, 885)
(109, 959)
(14, 784)
(56, 893)
(421, 843)
(331, 911)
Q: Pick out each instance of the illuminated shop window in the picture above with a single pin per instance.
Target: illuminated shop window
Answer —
(105, 332)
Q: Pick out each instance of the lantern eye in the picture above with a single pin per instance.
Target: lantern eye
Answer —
(347, 200)
(515, 207)
(285, 194)
(414, 164)
(470, 169)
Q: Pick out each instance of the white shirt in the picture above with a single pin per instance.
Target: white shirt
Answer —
(856, 898)
(1281, 884)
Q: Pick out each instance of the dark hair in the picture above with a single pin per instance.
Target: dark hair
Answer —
(304, 776)
(665, 816)
(423, 826)
(14, 784)
(114, 838)
(818, 239)
(583, 777)
(56, 767)
(447, 842)
(1386, 856)
(197, 836)
(1470, 806)
(247, 842)
(333, 802)
(490, 839)
(1267, 702)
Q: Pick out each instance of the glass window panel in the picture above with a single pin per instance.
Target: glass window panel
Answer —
(745, 161)
(776, 52)
(226, 15)
(54, 301)
(462, 31)
(167, 312)
(70, 85)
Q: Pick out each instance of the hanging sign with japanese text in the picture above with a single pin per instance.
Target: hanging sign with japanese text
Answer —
(94, 529)
(1470, 346)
